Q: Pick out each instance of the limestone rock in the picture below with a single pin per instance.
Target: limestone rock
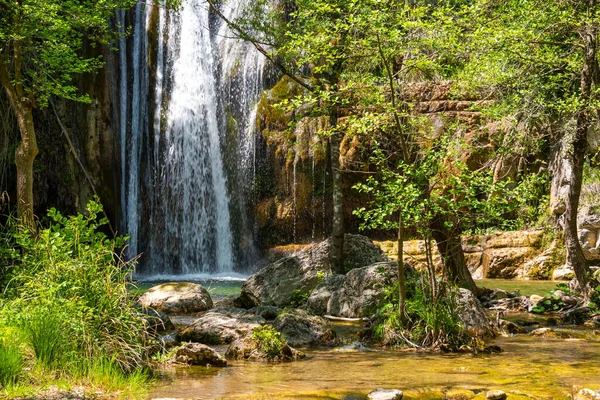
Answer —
(587, 394)
(357, 294)
(473, 315)
(495, 395)
(177, 298)
(563, 274)
(511, 327)
(199, 354)
(541, 332)
(299, 328)
(248, 348)
(275, 284)
(385, 394)
(318, 301)
(221, 327)
(504, 262)
(157, 321)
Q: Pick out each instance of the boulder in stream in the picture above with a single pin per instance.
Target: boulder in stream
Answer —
(473, 315)
(177, 298)
(299, 328)
(199, 354)
(278, 283)
(359, 293)
(249, 348)
(221, 327)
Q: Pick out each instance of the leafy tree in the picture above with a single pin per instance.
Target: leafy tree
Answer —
(540, 60)
(41, 53)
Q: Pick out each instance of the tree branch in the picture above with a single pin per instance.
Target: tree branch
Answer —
(243, 35)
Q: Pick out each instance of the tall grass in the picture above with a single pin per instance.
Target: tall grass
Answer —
(66, 292)
(11, 363)
(47, 334)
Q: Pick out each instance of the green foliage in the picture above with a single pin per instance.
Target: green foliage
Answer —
(299, 298)
(270, 341)
(68, 295)
(432, 320)
(11, 363)
(48, 37)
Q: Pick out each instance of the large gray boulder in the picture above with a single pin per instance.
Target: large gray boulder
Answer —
(221, 327)
(278, 283)
(177, 298)
(359, 293)
(299, 328)
(473, 315)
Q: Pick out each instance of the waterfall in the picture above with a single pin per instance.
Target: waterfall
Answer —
(181, 84)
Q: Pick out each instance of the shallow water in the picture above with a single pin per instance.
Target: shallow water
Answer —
(545, 368)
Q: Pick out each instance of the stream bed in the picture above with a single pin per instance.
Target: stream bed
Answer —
(529, 367)
(539, 367)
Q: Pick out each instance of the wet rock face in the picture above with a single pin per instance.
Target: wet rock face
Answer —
(199, 354)
(278, 283)
(473, 315)
(177, 298)
(299, 328)
(249, 348)
(359, 293)
(221, 327)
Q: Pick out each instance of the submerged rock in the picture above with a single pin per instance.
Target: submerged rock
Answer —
(177, 298)
(385, 394)
(359, 293)
(157, 321)
(587, 394)
(249, 348)
(221, 327)
(199, 354)
(299, 328)
(278, 283)
(495, 395)
(511, 327)
(473, 315)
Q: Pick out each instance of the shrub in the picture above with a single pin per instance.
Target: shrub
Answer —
(431, 322)
(69, 279)
(269, 340)
(11, 363)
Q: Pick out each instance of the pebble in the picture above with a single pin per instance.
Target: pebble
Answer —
(385, 394)
(495, 395)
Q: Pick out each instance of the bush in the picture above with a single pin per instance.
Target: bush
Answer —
(11, 363)
(431, 322)
(269, 340)
(69, 293)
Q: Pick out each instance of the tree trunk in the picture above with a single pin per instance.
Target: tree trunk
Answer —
(575, 157)
(450, 247)
(401, 277)
(27, 151)
(24, 157)
(337, 237)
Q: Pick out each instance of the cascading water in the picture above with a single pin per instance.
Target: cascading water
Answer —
(178, 89)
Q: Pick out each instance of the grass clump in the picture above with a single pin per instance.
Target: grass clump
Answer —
(11, 363)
